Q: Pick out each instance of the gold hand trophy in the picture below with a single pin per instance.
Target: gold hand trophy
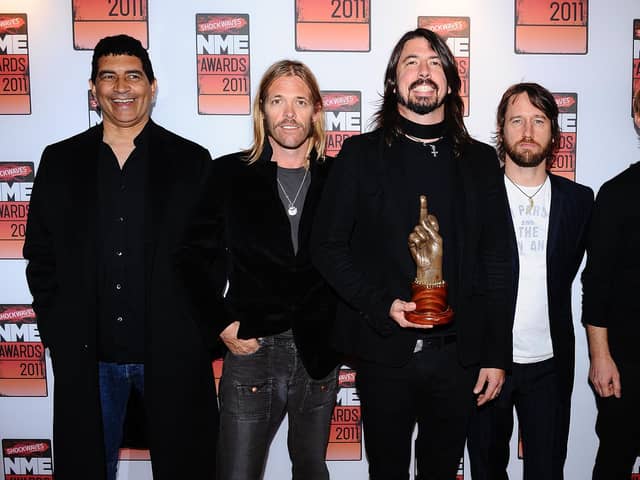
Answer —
(429, 290)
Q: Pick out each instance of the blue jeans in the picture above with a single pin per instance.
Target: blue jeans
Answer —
(256, 391)
(116, 382)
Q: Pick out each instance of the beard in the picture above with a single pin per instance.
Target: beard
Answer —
(424, 105)
(528, 158)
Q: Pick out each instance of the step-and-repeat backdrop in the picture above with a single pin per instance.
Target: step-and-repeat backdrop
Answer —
(208, 56)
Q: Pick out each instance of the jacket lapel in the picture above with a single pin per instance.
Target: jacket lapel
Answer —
(157, 192)
(554, 236)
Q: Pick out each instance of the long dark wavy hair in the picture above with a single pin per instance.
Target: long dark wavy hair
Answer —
(388, 118)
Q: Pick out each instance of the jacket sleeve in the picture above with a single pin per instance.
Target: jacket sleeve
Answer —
(39, 251)
(495, 268)
(601, 268)
(332, 255)
(200, 258)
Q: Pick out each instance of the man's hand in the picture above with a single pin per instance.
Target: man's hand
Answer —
(396, 312)
(490, 380)
(238, 346)
(604, 376)
(603, 372)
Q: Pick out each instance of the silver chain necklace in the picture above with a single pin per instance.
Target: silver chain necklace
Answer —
(431, 144)
(530, 197)
(292, 210)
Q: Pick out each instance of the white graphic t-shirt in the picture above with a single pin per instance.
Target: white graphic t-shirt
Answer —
(530, 208)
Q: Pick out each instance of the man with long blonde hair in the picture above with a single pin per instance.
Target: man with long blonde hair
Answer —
(253, 232)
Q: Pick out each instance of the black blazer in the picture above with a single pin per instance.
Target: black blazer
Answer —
(62, 248)
(360, 246)
(242, 235)
(571, 205)
(611, 278)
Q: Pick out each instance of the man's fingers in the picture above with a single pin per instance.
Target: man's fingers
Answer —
(616, 387)
(423, 208)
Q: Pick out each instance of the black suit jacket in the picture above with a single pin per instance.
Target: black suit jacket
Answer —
(62, 248)
(571, 205)
(611, 278)
(242, 235)
(360, 246)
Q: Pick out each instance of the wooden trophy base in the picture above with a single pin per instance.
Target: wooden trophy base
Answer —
(431, 305)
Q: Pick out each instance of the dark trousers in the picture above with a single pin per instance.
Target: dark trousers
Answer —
(256, 391)
(435, 391)
(618, 428)
(543, 416)
(116, 382)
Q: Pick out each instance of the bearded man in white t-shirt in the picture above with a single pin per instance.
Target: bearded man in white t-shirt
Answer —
(549, 215)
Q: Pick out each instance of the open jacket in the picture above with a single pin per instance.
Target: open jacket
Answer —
(63, 251)
(360, 246)
(571, 205)
(241, 236)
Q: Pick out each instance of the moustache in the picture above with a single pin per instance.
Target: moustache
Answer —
(290, 123)
(423, 81)
(529, 140)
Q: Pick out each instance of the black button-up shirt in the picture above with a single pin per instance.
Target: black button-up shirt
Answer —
(121, 301)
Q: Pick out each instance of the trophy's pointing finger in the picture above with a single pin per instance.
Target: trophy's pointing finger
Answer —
(423, 208)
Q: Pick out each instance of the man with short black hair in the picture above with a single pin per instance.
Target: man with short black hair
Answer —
(107, 210)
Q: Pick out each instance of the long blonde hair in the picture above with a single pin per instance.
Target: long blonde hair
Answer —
(279, 69)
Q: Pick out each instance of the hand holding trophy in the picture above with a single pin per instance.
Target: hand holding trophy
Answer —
(429, 290)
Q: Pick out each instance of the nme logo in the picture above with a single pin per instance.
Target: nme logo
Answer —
(16, 182)
(635, 77)
(343, 117)
(15, 83)
(23, 370)
(456, 31)
(345, 434)
(564, 160)
(27, 459)
(13, 45)
(223, 63)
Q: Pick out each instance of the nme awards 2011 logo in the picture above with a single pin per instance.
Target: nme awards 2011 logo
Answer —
(16, 182)
(636, 60)
(564, 160)
(333, 26)
(550, 27)
(345, 436)
(456, 32)
(223, 63)
(15, 85)
(342, 115)
(23, 371)
(27, 459)
(95, 19)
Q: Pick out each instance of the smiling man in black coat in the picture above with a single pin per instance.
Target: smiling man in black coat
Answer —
(369, 207)
(107, 209)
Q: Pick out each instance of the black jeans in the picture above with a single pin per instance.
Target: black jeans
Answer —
(256, 391)
(618, 428)
(435, 391)
(543, 416)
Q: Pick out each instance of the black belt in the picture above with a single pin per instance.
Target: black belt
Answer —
(437, 342)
